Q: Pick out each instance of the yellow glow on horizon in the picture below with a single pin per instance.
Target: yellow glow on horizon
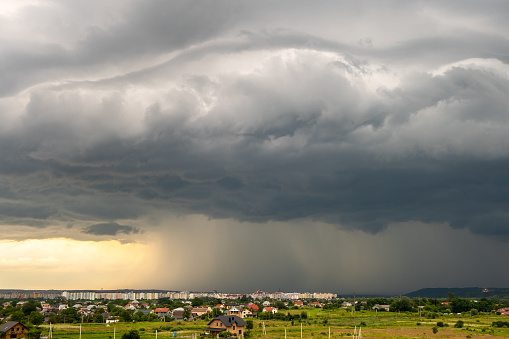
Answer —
(72, 264)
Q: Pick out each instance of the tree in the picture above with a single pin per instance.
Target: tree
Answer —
(403, 305)
(459, 324)
(485, 305)
(34, 333)
(197, 302)
(36, 318)
(187, 314)
(69, 315)
(216, 311)
(98, 318)
(29, 307)
(281, 305)
(125, 316)
(244, 299)
(18, 316)
(250, 324)
(459, 305)
(132, 334)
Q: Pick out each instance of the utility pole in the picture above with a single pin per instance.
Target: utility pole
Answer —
(420, 318)
(354, 304)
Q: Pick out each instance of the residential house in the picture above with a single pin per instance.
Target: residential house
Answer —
(178, 314)
(504, 311)
(381, 307)
(13, 330)
(298, 303)
(315, 304)
(266, 303)
(162, 312)
(234, 311)
(270, 309)
(247, 313)
(111, 320)
(253, 307)
(230, 323)
(47, 312)
(199, 311)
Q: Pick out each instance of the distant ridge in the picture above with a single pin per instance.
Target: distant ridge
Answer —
(464, 292)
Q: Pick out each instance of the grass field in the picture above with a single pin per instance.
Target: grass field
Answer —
(340, 322)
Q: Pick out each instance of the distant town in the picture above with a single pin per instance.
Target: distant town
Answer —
(156, 294)
(143, 314)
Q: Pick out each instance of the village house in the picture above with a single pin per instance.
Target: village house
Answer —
(13, 330)
(178, 314)
(162, 312)
(270, 309)
(234, 311)
(504, 311)
(253, 307)
(382, 307)
(230, 323)
(247, 313)
(199, 311)
(315, 304)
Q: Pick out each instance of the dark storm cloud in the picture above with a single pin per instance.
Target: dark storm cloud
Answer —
(202, 110)
(110, 229)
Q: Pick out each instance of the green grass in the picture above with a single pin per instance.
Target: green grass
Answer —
(341, 323)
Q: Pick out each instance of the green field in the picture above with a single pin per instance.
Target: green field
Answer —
(340, 322)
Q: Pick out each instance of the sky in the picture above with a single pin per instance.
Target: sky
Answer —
(234, 145)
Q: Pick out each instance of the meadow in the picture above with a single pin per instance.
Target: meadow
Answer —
(340, 323)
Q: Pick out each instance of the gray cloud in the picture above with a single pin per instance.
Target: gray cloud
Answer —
(304, 146)
(110, 228)
(358, 115)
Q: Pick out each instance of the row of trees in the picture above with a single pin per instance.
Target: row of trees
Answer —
(29, 314)
(454, 305)
(26, 314)
(281, 316)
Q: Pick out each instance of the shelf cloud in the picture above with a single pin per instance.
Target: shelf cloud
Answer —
(358, 116)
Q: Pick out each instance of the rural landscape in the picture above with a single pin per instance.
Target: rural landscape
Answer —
(356, 317)
(337, 154)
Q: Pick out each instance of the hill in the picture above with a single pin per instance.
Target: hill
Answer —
(464, 292)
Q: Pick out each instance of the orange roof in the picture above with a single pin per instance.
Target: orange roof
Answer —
(161, 310)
